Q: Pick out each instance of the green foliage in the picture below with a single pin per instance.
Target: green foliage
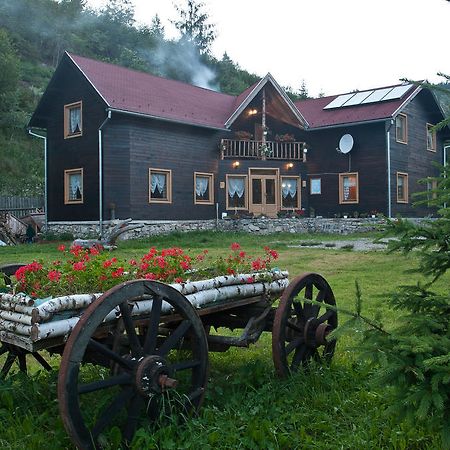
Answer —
(413, 357)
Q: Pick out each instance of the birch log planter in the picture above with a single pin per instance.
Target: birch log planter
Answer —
(40, 319)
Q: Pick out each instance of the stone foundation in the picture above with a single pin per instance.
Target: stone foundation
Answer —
(258, 226)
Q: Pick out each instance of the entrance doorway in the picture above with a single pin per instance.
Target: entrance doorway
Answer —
(264, 192)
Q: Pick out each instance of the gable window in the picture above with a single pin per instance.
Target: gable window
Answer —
(73, 120)
(348, 188)
(203, 188)
(73, 186)
(315, 186)
(290, 198)
(402, 187)
(401, 129)
(236, 191)
(160, 186)
(431, 138)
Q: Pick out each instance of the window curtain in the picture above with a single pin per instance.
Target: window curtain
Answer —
(158, 180)
(236, 186)
(349, 188)
(201, 186)
(75, 187)
(289, 188)
(75, 120)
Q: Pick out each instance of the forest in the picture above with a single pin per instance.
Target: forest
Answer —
(34, 35)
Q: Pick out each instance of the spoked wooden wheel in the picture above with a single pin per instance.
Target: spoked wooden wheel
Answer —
(18, 355)
(138, 369)
(300, 329)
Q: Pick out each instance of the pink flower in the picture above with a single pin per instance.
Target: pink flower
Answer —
(235, 246)
(250, 280)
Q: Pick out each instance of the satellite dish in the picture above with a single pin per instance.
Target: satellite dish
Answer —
(345, 143)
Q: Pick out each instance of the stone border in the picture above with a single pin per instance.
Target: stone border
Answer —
(257, 226)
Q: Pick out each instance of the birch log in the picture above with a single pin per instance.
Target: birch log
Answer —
(16, 317)
(15, 327)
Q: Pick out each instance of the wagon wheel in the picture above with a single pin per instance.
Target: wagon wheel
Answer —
(138, 372)
(300, 329)
(15, 354)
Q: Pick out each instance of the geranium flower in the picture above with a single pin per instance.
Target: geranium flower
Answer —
(235, 246)
(150, 276)
(54, 275)
(107, 263)
(79, 266)
(117, 273)
(62, 248)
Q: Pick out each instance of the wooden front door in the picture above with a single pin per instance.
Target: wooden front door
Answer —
(264, 194)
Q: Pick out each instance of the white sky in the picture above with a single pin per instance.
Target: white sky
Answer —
(334, 45)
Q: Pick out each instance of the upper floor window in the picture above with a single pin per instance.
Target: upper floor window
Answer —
(401, 129)
(402, 187)
(348, 188)
(203, 188)
(236, 191)
(73, 186)
(73, 120)
(290, 198)
(160, 186)
(431, 138)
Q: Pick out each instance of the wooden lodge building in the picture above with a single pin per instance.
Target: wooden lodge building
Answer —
(122, 143)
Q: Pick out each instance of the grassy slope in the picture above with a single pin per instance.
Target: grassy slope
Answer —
(246, 406)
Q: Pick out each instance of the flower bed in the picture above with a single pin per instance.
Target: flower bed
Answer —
(29, 311)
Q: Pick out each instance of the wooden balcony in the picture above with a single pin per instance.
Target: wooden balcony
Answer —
(232, 148)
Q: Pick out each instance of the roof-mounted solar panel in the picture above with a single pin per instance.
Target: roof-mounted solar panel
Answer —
(358, 98)
(376, 96)
(397, 92)
(339, 101)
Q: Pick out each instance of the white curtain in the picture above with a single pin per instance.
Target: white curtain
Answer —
(236, 186)
(201, 185)
(158, 180)
(75, 120)
(289, 188)
(75, 187)
(348, 184)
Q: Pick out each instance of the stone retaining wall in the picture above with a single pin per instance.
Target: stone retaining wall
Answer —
(258, 226)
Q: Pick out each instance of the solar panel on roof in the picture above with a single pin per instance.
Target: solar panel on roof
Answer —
(358, 98)
(376, 95)
(339, 101)
(397, 92)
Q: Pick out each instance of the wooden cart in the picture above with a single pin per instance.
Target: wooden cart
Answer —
(139, 352)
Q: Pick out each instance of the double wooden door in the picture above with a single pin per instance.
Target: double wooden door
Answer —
(264, 193)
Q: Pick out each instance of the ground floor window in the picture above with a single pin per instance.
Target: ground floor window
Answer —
(160, 186)
(402, 187)
(203, 188)
(290, 198)
(236, 186)
(348, 188)
(73, 186)
(315, 185)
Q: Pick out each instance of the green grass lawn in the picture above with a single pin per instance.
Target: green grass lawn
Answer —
(246, 406)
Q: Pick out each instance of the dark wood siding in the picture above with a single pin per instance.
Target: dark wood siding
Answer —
(136, 144)
(367, 158)
(70, 86)
(413, 158)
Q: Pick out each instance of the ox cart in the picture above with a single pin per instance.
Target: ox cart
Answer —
(139, 352)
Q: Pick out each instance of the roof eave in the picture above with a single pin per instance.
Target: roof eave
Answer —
(166, 119)
(349, 124)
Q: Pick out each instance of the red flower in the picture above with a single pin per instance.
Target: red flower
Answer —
(80, 266)
(178, 280)
(54, 275)
(273, 254)
(117, 273)
(94, 250)
(200, 257)
(114, 259)
(133, 262)
(62, 248)
(250, 280)
(242, 254)
(258, 264)
(107, 263)
(185, 265)
(235, 246)
(231, 271)
(150, 276)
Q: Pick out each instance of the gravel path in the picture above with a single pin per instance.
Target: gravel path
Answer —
(359, 245)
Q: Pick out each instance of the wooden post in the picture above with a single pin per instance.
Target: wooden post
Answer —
(263, 122)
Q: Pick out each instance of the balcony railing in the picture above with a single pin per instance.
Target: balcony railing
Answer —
(232, 148)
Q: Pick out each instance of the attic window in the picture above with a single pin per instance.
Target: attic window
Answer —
(401, 129)
(431, 138)
(73, 120)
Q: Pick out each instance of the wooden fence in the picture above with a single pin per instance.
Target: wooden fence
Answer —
(20, 206)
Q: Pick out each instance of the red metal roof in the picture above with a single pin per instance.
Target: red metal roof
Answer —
(312, 110)
(140, 92)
